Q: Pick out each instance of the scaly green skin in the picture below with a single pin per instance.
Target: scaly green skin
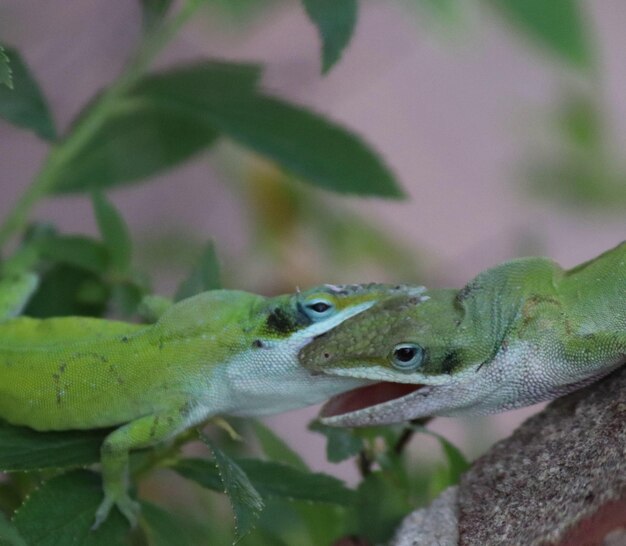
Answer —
(520, 333)
(221, 352)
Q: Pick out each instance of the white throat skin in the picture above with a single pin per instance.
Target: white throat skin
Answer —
(268, 378)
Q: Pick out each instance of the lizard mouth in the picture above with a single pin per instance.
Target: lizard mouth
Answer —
(366, 397)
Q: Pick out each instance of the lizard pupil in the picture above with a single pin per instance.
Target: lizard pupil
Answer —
(319, 307)
(405, 354)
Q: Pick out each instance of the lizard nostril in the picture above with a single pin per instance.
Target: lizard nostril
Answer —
(326, 355)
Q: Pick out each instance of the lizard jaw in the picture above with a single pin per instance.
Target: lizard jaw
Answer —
(362, 406)
(475, 394)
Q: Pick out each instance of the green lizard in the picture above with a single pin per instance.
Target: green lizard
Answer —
(520, 333)
(221, 352)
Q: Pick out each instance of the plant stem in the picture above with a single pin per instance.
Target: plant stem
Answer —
(364, 463)
(91, 121)
(408, 433)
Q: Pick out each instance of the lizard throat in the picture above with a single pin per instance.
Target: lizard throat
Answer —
(365, 397)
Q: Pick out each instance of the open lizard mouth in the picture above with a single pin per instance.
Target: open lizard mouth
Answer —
(365, 397)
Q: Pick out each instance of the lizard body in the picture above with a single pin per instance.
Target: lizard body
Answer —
(520, 333)
(220, 352)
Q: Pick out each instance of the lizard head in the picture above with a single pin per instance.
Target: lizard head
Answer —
(418, 351)
(269, 372)
(307, 314)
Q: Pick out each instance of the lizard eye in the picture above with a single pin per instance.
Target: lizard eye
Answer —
(407, 357)
(319, 309)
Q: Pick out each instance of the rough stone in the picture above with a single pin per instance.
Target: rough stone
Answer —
(558, 480)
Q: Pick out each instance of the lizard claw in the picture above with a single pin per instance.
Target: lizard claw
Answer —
(128, 507)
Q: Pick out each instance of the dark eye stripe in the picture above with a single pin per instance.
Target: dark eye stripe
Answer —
(451, 362)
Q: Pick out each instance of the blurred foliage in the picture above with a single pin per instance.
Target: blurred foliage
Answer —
(146, 122)
(292, 223)
(558, 25)
(335, 20)
(583, 169)
(21, 101)
(6, 74)
(205, 275)
(60, 505)
(153, 12)
(579, 164)
(163, 119)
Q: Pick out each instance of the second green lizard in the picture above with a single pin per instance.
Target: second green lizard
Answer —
(520, 333)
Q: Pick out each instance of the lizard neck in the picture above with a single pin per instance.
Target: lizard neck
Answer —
(495, 302)
(268, 379)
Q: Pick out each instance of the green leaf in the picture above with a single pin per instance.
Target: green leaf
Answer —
(205, 275)
(62, 511)
(75, 250)
(10, 493)
(236, 14)
(66, 290)
(341, 444)
(445, 475)
(335, 21)
(23, 449)
(6, 75)
(201, 471)
(126, 297)
(138, 139)
(245, 500)
(275, 447)
(153, 12)
(280, 480)
(15, 293)
(197, 81)
(9, 535)
(169, 116)
(142, 137)
(272, 479)
(323, 522)
(114, 232)
(444, 12)
(24, 104)
(163, 528)
(439, 481)
(457, 463)
(279, 525)
(313, 148)
(557, 24)
(381, 507)
(306, 144)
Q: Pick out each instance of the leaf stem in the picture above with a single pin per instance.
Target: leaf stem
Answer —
(408, 433)
(91, 120)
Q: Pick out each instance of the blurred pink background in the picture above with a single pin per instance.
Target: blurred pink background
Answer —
(454, 111)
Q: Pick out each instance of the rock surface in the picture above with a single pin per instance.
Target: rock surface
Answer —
(558, 480)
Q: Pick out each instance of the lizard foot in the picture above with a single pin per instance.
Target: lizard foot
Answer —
(128, 507)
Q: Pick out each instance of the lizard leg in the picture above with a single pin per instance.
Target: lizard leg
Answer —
(15, 292)
(143, 432)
